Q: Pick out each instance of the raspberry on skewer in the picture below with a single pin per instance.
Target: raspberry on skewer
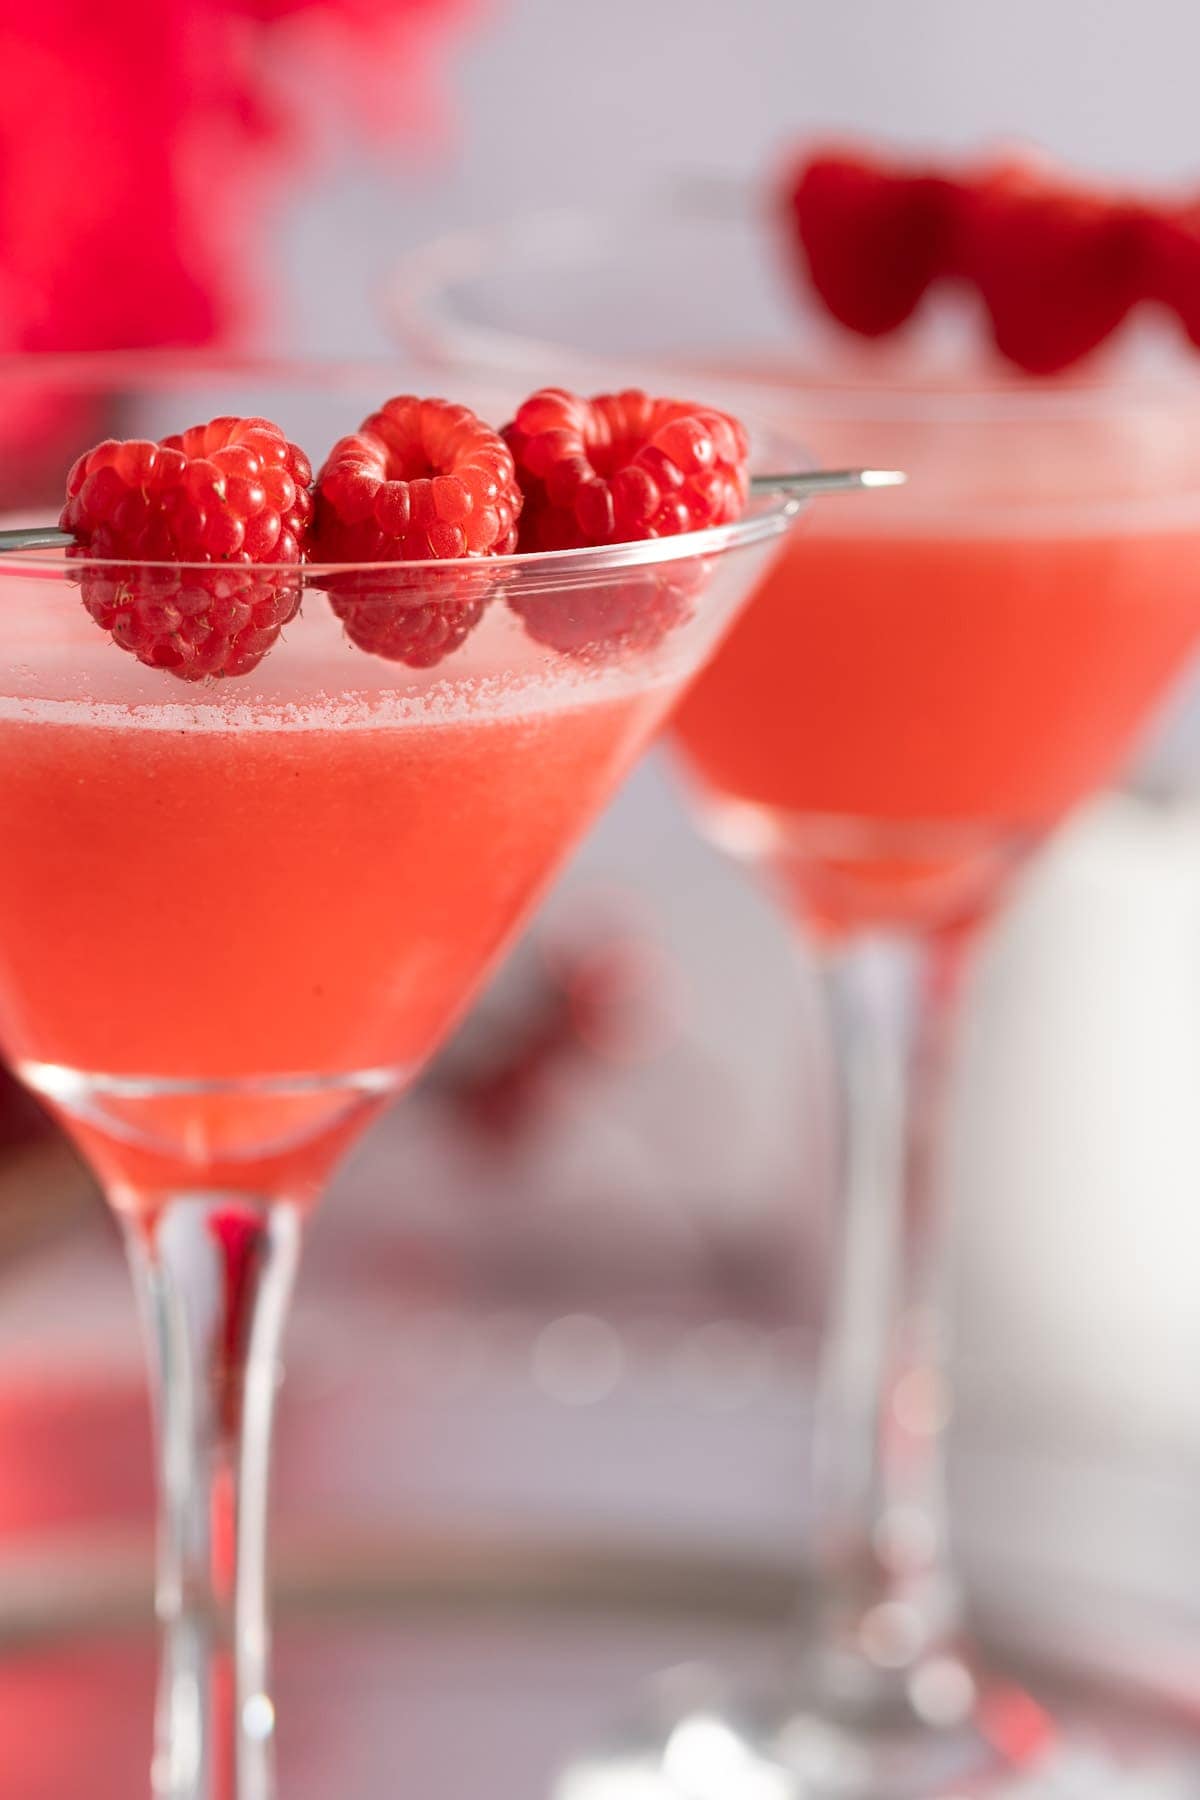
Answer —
(231, 500)
(1057, 265)
(613, 469)
(871, 237)
(1172, 262)
(420, 481)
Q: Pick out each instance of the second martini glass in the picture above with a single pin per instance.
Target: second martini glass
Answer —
(912, 702)
(237, 916)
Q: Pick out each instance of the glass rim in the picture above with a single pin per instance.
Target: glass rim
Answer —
(422, 280)
(765, 517)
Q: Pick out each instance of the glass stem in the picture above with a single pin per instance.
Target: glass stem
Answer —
(888, 1601)
(214, 1275)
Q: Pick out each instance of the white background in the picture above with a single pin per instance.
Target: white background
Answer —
(577, 99)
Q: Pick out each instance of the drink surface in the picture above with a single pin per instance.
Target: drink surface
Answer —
(970, 676)
(927, 679)
(223, 919)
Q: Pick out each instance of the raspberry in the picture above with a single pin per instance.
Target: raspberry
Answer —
(623, 466)
(871, 239)
(421, 480)
(1057, 265)
(1171, 274)
(612, 469)
(230, 494)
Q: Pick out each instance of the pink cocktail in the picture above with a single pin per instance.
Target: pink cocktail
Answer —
(237, 914)
(918, 693)
(288, 898)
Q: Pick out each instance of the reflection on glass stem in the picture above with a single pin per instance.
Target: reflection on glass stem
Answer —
(214, 1275)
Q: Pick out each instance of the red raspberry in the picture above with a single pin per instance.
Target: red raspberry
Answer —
(1171, 273)
(612, 469)
(623, 466)
(231, 494)
(1057, 265)
(421, 480)
(871, 238)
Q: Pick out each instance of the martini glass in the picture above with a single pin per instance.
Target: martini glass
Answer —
(237, 916)
(914, 699)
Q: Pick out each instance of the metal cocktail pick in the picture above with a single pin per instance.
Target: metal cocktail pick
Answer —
(35, 537)
(821, 481)
(801, 483)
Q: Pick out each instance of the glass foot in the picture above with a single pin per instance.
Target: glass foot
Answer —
(833, 1761)
(956, 1742)
(935, 1729)
(709, 1759)
(704, 1756)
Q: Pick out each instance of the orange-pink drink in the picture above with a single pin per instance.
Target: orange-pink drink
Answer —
(269, 911)
(973, 678)
(955, 662)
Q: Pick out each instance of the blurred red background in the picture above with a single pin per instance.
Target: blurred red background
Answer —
(145, 151)
(142, 148)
